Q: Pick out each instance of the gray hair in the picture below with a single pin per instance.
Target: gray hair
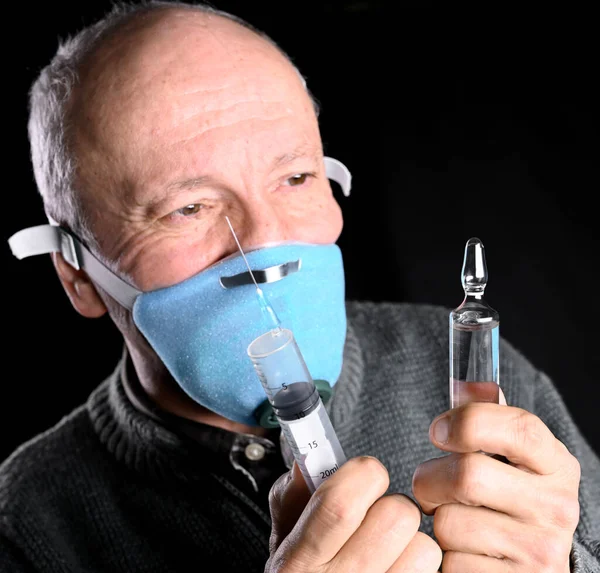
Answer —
(54, 163)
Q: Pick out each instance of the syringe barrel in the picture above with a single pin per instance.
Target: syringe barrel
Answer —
(474, 353)
(296, 403)
(315, 446)
(283, 373)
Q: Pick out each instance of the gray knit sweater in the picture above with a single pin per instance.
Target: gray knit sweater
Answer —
(109, 489)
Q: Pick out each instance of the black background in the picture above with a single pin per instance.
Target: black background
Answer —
(453, 125)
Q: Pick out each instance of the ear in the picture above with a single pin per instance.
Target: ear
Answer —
(79, 288)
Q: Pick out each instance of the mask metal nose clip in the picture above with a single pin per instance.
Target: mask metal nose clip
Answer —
(268, 275)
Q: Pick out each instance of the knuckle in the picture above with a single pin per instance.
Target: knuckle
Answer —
(401, 514)
(564, 511)
(332, 503)
(395, 516)
(374, 468)
(571, 466)
(277, 489)
(549, 551)
(428, 553)
(468, 478)
(468, 424)
(529, 432)
(442, 524)
(453, 562)
(335, 510)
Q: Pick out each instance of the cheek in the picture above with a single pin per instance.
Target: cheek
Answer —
(159, 262)
(334, 221)
(323, 223)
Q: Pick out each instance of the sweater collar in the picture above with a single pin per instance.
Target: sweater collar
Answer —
(155, 442)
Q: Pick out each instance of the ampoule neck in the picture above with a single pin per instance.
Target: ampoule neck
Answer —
(472, 294)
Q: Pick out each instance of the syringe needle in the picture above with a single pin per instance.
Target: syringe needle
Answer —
(265, 306)
(241, 251)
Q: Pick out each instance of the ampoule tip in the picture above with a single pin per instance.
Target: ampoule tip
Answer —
(474, 271)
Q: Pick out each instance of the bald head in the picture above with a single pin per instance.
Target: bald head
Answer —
(171, 77)
(93, 63)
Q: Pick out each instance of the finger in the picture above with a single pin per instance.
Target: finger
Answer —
(481, 531)
(287, 499)
(336, 510)
(423, 554)
(478, 480)
(478, 530)
(512, 432)
(455, 562)
(390, 524)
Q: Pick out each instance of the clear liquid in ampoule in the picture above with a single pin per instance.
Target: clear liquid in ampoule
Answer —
(474, 336)
(474, 359)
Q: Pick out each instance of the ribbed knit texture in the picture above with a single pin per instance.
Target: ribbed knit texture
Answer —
(109, 489)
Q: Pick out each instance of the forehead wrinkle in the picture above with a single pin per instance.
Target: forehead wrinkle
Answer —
(272, 110)
(134, 81)
(225, 123)
(309, 151)
(137, 49)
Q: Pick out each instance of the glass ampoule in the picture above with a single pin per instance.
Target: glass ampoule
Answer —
(474, 336)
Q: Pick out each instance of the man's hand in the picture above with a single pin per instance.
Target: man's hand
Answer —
(494, 516)
(347, 525)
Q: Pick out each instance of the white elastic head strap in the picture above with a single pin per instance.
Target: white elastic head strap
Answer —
(45, 239)
(338, 172)
(52, 239)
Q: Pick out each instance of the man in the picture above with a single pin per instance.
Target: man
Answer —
(146, 132)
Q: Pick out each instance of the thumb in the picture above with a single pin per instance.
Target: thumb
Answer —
(287, 499)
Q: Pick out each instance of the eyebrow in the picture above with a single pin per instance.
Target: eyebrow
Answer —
(189, 183)
(301, 151)
(281, 160)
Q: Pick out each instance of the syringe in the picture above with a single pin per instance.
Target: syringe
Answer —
(294, 397)
(474, 336)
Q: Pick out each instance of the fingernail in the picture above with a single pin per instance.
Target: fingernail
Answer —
(441, 430)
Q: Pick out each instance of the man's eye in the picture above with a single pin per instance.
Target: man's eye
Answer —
(190, 210)
(298, 179)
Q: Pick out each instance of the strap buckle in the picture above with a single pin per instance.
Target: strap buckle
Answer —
(68, 249)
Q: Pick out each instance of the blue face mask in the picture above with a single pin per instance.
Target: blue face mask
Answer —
(201, 328)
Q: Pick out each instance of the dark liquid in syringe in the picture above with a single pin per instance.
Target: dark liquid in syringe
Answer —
(295, 401)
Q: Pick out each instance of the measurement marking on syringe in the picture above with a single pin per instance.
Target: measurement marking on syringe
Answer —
(327, 473)
(282, 386)
(311, 446)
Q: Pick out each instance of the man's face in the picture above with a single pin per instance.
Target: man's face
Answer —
(183, 122)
